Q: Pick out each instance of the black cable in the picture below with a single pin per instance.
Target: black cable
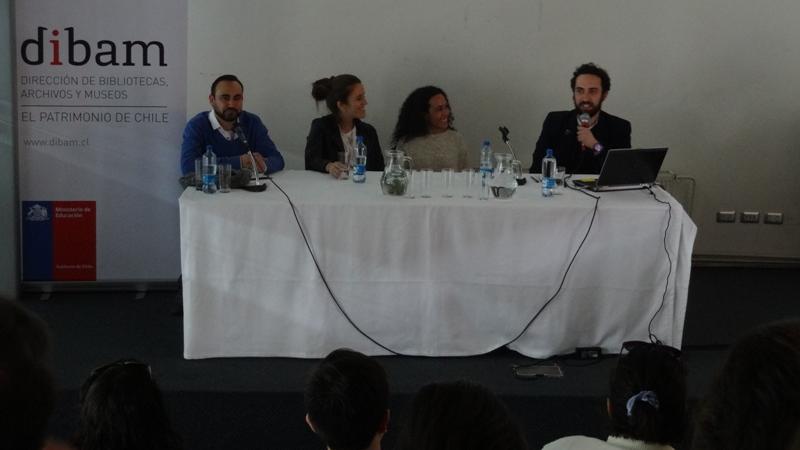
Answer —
(653, 338)
(344, 313)
(566, 272)
(322, 275)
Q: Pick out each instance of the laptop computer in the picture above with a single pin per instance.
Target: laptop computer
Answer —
(627, 168)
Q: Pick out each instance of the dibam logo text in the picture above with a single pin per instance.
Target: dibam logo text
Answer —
(79, 52)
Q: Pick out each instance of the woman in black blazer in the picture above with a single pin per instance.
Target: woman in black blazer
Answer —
(332, 134)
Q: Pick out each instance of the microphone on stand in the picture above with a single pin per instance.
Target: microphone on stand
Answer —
(507, 141)
(239, 133)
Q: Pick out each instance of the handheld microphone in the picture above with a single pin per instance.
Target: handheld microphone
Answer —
(584, 118)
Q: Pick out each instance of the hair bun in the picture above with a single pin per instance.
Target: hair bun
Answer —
(321, 88)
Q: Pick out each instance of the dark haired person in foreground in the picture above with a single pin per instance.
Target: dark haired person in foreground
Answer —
(581, 145)
(459, 416)
(425, 132)
(26, 384)
(646, 402)
(336, 132)
(347, 401)
(122, 409)
(217, 128)
(754, 404)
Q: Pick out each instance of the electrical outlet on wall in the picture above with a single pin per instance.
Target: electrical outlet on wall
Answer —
(774, 218)
(750, 217)
(726, 216)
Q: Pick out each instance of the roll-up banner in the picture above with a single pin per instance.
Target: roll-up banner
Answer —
(101, 104)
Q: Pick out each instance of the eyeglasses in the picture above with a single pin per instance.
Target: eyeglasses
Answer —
(125, 364)
(629, 346)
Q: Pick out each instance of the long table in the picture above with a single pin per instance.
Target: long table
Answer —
(428, 276)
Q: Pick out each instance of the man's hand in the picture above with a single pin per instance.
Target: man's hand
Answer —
(247, 163)
(336, 169)
(586, 138)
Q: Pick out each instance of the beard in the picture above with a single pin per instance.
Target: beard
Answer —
(588, 107)
(228, 115)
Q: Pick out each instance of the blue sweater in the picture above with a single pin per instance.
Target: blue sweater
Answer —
(198, 134)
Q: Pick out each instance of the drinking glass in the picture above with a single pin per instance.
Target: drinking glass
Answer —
(198, 174)
(469, 183)
(448, 182)
(344, 158)
(559, 176)
(224, 177)
(414, 179)
(427, 181)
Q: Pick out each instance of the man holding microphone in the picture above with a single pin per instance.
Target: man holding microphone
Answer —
(580, 138)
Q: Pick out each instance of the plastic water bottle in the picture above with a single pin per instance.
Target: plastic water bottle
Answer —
(486, 169)
(549, 168)
(209, 171)
(360, 161)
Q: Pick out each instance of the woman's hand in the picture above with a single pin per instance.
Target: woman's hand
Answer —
(336, 169)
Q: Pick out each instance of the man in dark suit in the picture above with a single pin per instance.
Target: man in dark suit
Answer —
(580, 138)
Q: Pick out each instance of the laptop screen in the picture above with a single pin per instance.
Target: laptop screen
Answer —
(631, 166)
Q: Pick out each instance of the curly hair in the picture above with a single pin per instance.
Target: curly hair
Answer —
(412, 122)
(591, 69)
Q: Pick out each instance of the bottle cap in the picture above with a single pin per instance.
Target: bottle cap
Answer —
(549, 152)
(487, 142)
(359, 139)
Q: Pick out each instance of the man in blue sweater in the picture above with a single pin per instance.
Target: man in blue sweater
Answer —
(217, 128)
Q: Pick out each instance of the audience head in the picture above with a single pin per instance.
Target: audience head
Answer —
(425, 111)
(26, 384)
(122, 409)
(347, 401)
(647, 399)
(343, 94)
(459, 416)
(227, 97)
(755, 400)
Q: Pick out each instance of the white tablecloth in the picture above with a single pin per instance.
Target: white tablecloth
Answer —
(427, 276)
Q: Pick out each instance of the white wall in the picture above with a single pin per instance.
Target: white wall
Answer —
(712, 79)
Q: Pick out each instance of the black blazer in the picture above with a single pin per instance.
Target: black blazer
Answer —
(559, 133)
(325, 141)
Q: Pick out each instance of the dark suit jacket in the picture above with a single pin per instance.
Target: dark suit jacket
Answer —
(559, 133)
(325, 141)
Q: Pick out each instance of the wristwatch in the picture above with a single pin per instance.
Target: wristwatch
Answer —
(597, 148)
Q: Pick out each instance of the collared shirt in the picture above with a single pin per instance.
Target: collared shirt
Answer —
(349, 140)
(229, 135)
